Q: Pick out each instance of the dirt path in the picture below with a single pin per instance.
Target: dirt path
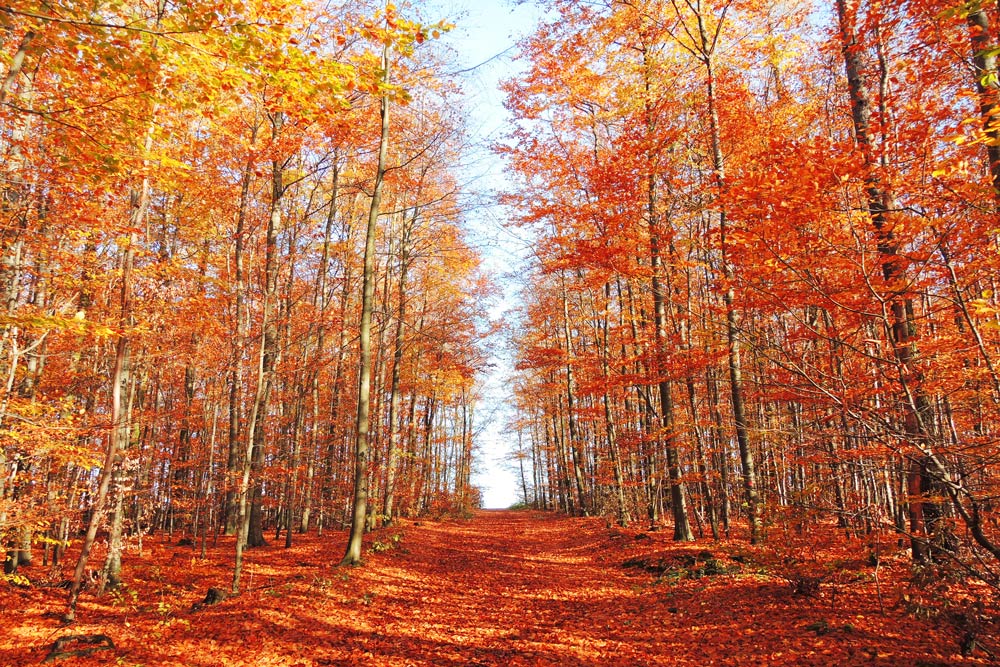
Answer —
(506, 588)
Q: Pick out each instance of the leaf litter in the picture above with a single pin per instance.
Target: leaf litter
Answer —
(504, 588)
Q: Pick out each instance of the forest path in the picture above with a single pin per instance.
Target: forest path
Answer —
(534, 588)
(514, 588)
(504, 588)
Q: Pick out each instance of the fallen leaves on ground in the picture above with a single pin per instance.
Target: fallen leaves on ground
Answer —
(504, 588)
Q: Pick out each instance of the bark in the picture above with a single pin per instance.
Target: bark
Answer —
(337, 445)
(119, 434)
(352, 555)
(293, 477)
(321, 302)
(897, 306)
(678, 489)
(249, 517)
(573, 445)
(722, 456)
(751, 494)
(984, 58)
(610, 433)
(395, 430)
(463, 475)
(269, 350)
(239, 347)
(16, 65)
(107, 469)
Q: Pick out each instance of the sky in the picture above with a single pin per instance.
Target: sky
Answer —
(484, 42)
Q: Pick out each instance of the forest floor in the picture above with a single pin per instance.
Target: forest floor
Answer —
(511, 588)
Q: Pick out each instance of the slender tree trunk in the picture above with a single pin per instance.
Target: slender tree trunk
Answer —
(321, 302)
(573, 446)
(111, 572)
(750, 483)
(255, 536)
(337, 438)
(984, 57)
(610, 432)
(97, 508)
(668, 434)
(119, 433)
(293, 476)
(16, 65)
(242, 502)
(249, 520)
(896, 319)
(239, 348)
(395, 434)
(352, 555)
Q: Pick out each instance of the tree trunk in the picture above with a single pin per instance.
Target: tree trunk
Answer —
(239, 348)
(269, 350)
(119, 433)
(352, 556)
(984, 57)
(321, 302)
(397, 361)
(249, 522)
(898, 307)
(573, 445)
(750, 484)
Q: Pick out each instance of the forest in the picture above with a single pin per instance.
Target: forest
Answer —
(246, 324)
(764, 285)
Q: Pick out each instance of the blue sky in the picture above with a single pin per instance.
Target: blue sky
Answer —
(484, 41)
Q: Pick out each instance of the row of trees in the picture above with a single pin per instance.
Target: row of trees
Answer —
(765, 277)
(196, 197)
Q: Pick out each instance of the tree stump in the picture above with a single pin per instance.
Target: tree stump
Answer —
(214, 596)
